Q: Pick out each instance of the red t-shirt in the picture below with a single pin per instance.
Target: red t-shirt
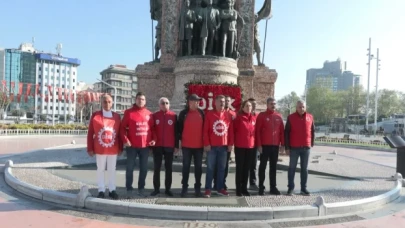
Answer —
(192, 136)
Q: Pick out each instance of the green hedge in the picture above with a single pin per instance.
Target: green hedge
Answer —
(44, 126)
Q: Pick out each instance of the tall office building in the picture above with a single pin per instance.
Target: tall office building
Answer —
(332, 76)
(2, 64)
(124, 80)
(54, 74)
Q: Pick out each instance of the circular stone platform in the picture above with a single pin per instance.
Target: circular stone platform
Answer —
(343, 182)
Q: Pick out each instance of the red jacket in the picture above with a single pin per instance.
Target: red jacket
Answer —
(244, 130)
(103, 134)
(218, 129)
(233, 113)
(136, 127)
(165, 129)
(269, 129)
(299, 130)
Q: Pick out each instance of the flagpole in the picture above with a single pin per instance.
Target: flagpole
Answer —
(265, 39)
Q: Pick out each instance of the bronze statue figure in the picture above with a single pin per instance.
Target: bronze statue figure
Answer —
(156, 14)
(211, 22)
(187, 19)
(256, 45)
(197, 28)
(229, 33)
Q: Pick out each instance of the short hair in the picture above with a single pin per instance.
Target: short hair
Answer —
(163, 98)
(251, 99)
(227, 96)
(219, 97)
(139, 94)
(270, 99)
(105, 96)
(302, 102)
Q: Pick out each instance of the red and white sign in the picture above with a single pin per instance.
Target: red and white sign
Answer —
(209, 92)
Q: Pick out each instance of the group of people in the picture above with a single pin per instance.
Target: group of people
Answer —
(217, 133)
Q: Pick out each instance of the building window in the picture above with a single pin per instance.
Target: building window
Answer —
(45, 107)
(74, 73)
(67, 72)
(57, 71)
(63, 108)
(50, 107)
(73, 80)
(73, 87)
(63, 86)
(57, 108)
(39, 68)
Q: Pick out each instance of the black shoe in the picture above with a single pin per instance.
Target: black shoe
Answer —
(113, 195)
(155, 193)
(305, 192)
(215, 188)
(274, 191)
(101, 195)
(198, 193)
(183, 193)
(253, 187)
(290, 192)
(245, 193)
(225, 187)
(169, 193)
(239, 194)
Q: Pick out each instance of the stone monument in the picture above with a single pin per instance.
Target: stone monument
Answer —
(207, 40)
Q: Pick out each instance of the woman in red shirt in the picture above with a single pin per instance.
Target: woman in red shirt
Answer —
(103, 141)
(244, 133)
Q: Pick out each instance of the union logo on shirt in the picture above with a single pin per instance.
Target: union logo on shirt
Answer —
(157, 122)
(106, 137)
(220, 128)
(170, 122)
(308, 119)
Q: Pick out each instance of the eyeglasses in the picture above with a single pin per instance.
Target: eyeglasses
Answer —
(107, 102)
(164, 103)
(272, 103)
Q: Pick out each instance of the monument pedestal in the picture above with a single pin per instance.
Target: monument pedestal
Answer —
(201, 68)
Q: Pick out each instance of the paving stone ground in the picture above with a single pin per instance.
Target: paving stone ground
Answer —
(373, 178)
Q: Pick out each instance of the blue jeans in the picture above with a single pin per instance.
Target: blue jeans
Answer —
(143, 154)
(303, 154)
(216, 158)
(197, 154)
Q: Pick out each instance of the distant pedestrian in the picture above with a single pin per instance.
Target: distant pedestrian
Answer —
(245, 151)
(299, 138)
(190, 132)
(167, 143)
(270, 139)
(136, 134)
(218, 142)
(103, 141)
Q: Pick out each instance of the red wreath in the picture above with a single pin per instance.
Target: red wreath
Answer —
(209, 92)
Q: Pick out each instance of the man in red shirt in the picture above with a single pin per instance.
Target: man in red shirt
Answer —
(218, 142)
(167, 143)
(253, 165)
(136, 134)
(190, 132)
(228, 103)
(103, 141)
(299, 138)
(269, 141)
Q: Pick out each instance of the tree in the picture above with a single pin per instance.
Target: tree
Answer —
(323, 104)
(286, 105)
(4, 100)
(389, 102)
(354, 100)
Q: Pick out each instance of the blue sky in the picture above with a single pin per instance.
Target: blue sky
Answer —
(301, 35)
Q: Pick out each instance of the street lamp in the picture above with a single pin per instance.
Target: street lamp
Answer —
(115, 93)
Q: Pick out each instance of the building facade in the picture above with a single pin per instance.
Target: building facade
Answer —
(332, 76)
(124, 80)
(55, 76)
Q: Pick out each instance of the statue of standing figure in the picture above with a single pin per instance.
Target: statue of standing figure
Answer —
(211, 22)
(229, 32)
(256, 45)
(156, 14)
(187, 18)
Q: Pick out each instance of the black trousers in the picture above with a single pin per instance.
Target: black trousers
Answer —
(158, 154)
(228, 157)
(253, 169)
(243, 158)
(269, 153)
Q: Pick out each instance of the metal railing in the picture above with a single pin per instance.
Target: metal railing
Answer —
(15, 132)
(352, 142)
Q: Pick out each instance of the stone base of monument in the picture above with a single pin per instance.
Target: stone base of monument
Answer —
(156, 80)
